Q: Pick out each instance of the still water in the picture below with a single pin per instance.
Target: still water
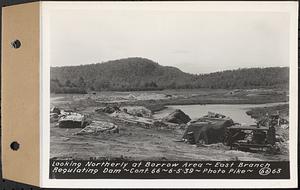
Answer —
(237, 112)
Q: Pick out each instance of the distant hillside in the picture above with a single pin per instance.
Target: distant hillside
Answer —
(144, 74)
(245, 78)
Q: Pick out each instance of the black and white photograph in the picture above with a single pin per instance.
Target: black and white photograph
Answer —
(168, 82)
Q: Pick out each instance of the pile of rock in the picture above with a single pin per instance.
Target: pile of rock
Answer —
(178, 117)
(138, 111)
(108, 109)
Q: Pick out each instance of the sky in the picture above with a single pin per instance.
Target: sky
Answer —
(194, 40)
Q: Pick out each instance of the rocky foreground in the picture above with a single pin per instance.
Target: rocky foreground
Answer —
(132, 133)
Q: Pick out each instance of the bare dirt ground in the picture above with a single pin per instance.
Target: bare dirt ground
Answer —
(156, 100)
(134, 142)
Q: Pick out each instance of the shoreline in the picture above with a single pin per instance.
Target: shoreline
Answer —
(160, 107)
(159, 100)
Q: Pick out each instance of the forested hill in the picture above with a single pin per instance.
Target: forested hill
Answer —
(144, 74)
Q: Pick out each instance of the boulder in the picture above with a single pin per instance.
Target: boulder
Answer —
(178, 117)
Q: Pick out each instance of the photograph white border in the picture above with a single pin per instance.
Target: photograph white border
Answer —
(46, 7)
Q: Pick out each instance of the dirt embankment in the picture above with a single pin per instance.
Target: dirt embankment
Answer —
(261, 112)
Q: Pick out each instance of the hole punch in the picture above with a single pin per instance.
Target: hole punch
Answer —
(16, 44)
(15, 146)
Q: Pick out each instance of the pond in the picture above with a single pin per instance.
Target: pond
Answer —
(237, 112)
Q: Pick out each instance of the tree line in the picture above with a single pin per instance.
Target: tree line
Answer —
(144, 74)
